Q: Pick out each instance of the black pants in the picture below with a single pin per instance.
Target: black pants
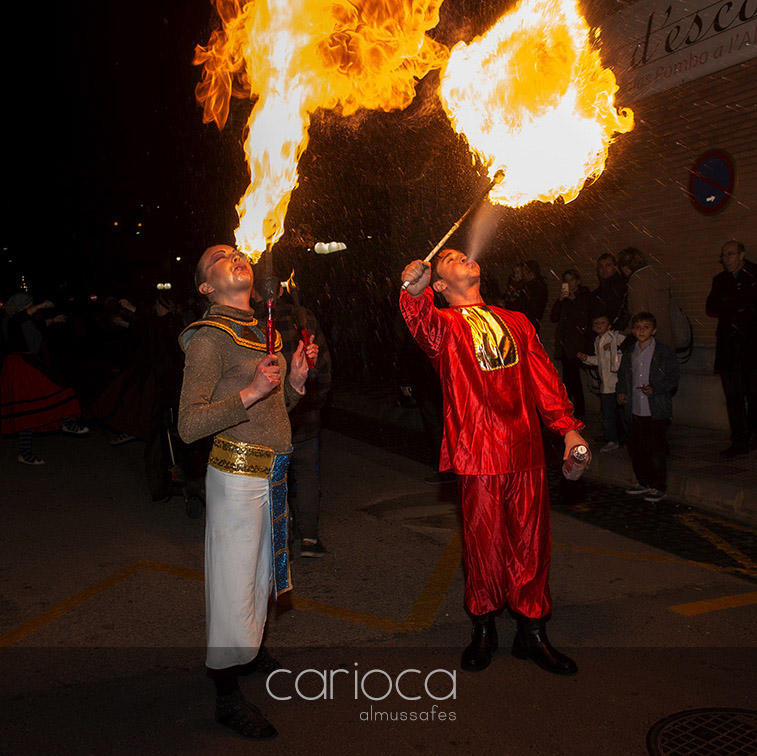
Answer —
(740, 389)
(571, 377)
(428, 397)
(647, 446)
(303, 469)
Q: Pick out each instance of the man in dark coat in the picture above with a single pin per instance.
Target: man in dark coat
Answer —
(571, 313)
(733, 301)
(609, 297)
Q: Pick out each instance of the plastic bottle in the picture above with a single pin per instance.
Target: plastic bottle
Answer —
(577, 461)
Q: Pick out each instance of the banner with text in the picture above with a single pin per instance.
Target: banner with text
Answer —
(657, 44)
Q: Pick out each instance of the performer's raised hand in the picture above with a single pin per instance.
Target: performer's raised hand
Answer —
(267, 378)
(418, 275)
(299, 372)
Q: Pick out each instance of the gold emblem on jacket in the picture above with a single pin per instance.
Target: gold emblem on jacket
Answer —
(493, 343)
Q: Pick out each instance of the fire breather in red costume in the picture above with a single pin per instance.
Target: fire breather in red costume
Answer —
(496, 381)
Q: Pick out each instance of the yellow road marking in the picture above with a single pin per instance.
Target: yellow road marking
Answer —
(58, 610)
(691, 521)
(717, 520)
(420, 616)
(20, 632)
(350, 615)
(713, 605)
(423, 612)
(634, 556)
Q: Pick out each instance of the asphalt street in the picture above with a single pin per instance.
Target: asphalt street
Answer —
(102, 620)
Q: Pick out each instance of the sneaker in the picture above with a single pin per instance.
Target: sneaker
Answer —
(439, 477)
(637, 490)
(27, 458)
(75, 428)
(654, 495)
(610, 446)
(121, 438)
(312, 548)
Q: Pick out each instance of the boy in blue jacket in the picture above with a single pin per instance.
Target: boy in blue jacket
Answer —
(648, 374)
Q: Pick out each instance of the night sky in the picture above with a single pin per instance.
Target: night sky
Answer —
(109, 132)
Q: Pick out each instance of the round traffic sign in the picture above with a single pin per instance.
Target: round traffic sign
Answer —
(711, 181)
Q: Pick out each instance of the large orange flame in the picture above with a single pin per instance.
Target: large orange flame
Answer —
(294, 56)
(531, 96)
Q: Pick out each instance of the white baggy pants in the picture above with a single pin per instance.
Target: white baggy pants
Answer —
(238, 566)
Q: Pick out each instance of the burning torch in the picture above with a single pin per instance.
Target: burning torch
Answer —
(498, 176)
(270, 291)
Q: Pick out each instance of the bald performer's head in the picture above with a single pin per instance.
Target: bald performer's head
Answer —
(222, 269)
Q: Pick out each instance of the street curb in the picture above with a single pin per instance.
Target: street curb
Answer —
(715, 495)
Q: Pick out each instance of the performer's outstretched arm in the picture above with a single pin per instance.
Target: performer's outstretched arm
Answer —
(552, 401)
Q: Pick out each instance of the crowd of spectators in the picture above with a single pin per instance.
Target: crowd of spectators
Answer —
(120, 356)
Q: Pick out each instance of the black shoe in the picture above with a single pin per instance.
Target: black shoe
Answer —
(244, 718)
(312, 549)
(734, 450)
(531, 643)
(478, 655)
(440, 477)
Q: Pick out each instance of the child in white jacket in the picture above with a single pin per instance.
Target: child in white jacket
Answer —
(607, 359)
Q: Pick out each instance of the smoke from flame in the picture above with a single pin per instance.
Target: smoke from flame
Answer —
(531, 96)
(292, 57)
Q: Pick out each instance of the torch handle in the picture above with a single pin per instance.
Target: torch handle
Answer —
(270, 327)
(305, 334)
(498, 176)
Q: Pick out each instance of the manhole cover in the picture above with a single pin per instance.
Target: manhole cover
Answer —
(705, 732)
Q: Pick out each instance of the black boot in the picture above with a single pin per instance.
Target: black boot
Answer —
(531, 642)
(478, 655)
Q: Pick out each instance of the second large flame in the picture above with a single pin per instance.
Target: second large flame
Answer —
(531, 96)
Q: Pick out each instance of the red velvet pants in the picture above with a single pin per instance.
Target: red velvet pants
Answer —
(506, 542)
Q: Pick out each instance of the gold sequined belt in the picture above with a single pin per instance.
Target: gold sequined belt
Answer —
(241, 458)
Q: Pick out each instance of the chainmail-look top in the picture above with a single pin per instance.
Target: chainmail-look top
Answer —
(216, 369)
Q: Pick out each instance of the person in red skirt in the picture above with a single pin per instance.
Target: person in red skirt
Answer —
(32, 397)
(497, 382)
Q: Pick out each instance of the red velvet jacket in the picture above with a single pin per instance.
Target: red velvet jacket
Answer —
(495, 378)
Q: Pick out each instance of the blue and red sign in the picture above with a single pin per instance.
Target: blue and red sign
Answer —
(711, 181)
